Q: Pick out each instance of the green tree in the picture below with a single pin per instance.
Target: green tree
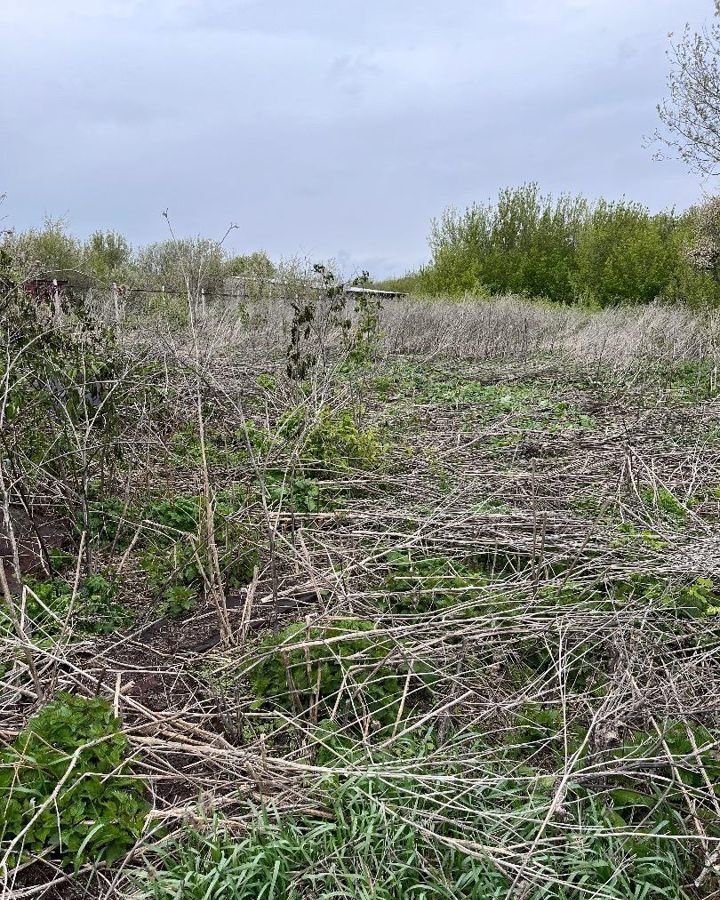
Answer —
(44, 251)
(257, 265)
(626, 255)
(524, 243)
(181, 264)
(107, 254)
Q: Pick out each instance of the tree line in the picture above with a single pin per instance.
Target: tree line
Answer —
(570, 250)
(565, 249)
(107, 256)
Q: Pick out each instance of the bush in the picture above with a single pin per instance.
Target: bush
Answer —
(334, 443)
(524, 244)
(42, 251)
(571, 251)
(183, 265)
(256, 265)
(626, 255)
(108, 255)
(96, 813)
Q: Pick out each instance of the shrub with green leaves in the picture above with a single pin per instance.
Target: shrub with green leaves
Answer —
(174, 565)
(334, 443)
(179, 600)
(65, 791)
(105, 515)
(565, 249)
(523, 243)
(626, 255)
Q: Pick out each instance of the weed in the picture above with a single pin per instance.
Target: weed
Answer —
(105, 517)
(94, 611)
(266, 382)
(491, 507)
(690, 600)
(538, 729)
(260, 439)
(179, 600)
(64, 791)
(386, 840)
(299, 494)
(363, 343)
(171, 567)
(344, 667)
(173, 516)
(665, 503)
(334, 443)
(631, 534)
(178, 571)
(429, 584)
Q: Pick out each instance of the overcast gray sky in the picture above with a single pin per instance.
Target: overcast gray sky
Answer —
(322, 127)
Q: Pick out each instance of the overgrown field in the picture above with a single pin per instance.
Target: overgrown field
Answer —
(421, 602)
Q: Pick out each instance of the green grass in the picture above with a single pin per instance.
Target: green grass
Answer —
(394, 838)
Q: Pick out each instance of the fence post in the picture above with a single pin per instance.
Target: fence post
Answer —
(116, 302)
(56, 301)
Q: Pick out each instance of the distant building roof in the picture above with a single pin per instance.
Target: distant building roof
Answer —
(311, 280)
(362, 290)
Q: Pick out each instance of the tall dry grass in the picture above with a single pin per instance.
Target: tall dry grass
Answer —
(504, 327)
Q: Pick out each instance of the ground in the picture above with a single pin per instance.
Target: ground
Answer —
(414, 626)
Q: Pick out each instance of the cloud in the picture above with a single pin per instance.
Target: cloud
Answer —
(326, 127)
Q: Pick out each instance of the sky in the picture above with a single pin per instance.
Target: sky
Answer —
(326, 128)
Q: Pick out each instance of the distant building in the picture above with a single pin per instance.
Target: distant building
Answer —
(376, 293)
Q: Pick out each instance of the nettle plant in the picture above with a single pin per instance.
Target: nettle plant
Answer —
(430, 584)
(93, 610)
(299, 494)
(334, 441)
(177, 559)
(51, 606)
(65, 791)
